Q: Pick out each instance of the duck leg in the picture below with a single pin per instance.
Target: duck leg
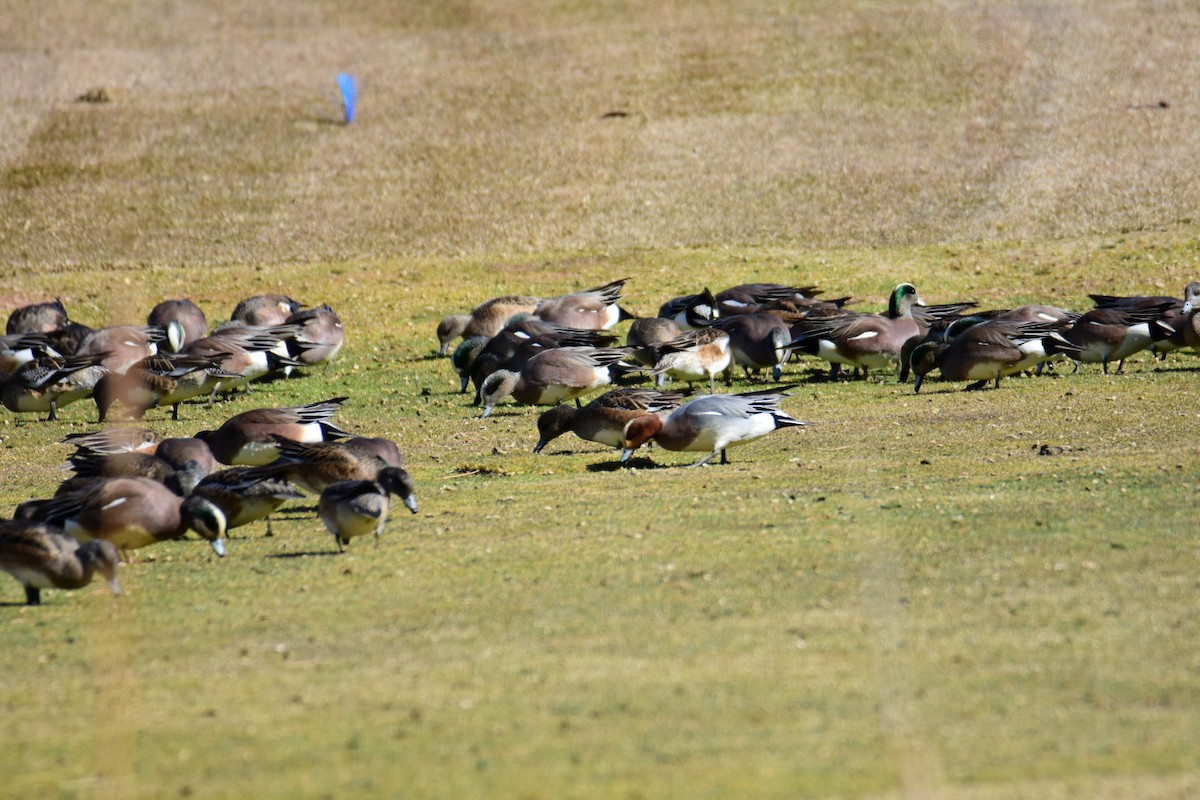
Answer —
(33, 596)
(707, 458)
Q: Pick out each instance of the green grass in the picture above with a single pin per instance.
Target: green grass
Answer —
(983, 595)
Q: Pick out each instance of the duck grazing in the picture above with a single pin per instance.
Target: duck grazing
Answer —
(128, 512)
(591, 309)
(486, 319)
(182, 320)
(42, 556)
(358, 508)
(38, 318)
(1112, 334)
(712, 422)
(231, 498)
(552, 377)
(987, 350)
(320, 338)
(48, 383)
(314, 466)
(604, 419)
(264, 310)
(248, 439)
(693, 356)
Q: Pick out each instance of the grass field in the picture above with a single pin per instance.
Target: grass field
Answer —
(982, 595)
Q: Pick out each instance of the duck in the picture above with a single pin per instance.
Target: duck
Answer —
(42, 556)
(158, 380)
(248, 439)
(314, 465)
(552, 376)
(987, 350)
(590, 309)
(750, 298)
(320, 337)
(114, 439)
(486, 319)
(120, 347)
(757, 341)
(866, 341)
(1173, 314)
(647, 334)
(518, 341)
(711, 423)
(691, 311)
(603, 420)
(264, 310)
(48, 383)
(181, 320)
(693, 356)
(128, 512)
(249, 353)
(1113, 334)
(237, 496)
(38, 318)
(358, 508)
(18, 349)
(179, 479)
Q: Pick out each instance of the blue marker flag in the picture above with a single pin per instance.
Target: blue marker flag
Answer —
(349, 95)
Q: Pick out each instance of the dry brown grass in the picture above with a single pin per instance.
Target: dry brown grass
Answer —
(483, 131)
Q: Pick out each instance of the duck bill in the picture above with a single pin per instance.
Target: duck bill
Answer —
(114, 586)
(917, 381)
(410, 503)
(486, 411)
(626, 454)
(218, 546)
(538, 447)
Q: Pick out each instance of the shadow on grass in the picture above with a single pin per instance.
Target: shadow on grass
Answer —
(617, 466)
(306, 554)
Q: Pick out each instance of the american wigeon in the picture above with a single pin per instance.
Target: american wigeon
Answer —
(862, 341)
(1173, 314)
(178, 451)
(182, 320)
(129, 512)
(248, 439)
(122, 346)
(590, 309)
(692, 310)
(552, 377)
(179, 479)
(1111, 334)
(751, 298)
(757, 341)
(603, 420)
(315, 465)
(237, 496)
(158, 380)
(114, 439)
(712, 423)
(693, 356)
(245, 351)
(940, 330)
(358, 508)
(38, 318)
(19, 349)
(647, 334)
(516, 343)
(265, 309)
(1190, 322)
(486, 319)
(320, 338)
(42, 556)
(987, 350)
(49, 383)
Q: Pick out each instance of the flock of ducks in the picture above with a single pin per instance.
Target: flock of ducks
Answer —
(132, 488)
(551, 351)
